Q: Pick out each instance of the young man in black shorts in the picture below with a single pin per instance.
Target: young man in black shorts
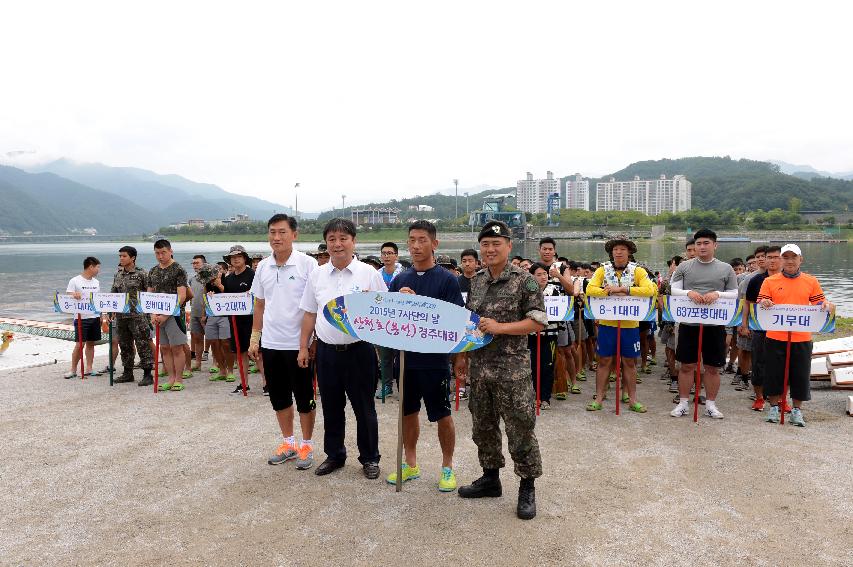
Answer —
(703, 279)
(276, 330)
(427, 375)
(79, 286)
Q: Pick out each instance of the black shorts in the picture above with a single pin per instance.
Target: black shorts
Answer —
(713, 345)
(799, 373)
(759, 357)
(91, 329)
(590, 327)
(244, 333)
(286, 380)
(430, 385)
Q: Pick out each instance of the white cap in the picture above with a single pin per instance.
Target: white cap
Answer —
(792, 248)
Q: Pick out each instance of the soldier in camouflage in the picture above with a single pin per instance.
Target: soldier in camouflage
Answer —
(133, 327)
(510, 305)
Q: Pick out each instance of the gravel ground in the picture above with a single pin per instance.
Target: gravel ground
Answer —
(94, 475)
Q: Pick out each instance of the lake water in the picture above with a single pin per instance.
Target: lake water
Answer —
(31, 273)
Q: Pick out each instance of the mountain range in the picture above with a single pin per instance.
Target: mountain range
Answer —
(63, 196)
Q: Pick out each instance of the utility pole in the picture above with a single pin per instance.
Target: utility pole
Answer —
(456, 184)
(296, 207)
(343, 205)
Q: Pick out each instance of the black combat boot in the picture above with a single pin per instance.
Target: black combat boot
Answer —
(125, 377)
(147, 378)
(526, 509)
(488, 485)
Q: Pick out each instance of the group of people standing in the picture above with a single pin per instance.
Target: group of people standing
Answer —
(292, 346)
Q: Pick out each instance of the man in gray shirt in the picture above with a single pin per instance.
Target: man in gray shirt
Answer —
(703, 279)
(197, 312)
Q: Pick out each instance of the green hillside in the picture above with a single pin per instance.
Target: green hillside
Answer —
(45, 203)
(722, 183)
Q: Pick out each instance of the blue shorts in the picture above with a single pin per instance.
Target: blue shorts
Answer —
(607, 342)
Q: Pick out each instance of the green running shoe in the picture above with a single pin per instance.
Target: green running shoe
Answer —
(447, 481)
(409, 473)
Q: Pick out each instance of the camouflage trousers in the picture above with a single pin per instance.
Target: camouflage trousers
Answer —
(504, 390)
(135, 330)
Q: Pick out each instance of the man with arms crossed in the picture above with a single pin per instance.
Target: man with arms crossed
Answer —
(278, 286)
(703, 279)
(346, 367)
(427, 375)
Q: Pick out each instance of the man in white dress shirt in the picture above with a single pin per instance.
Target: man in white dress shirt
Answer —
(346, 367)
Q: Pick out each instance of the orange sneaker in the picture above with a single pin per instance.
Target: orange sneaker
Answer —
(783, 406)
(758, 405)
(305, 457)
(284, 453)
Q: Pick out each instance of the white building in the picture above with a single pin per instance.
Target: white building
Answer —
(576, 193)
(531, 195)
(421, 208)
(649, 196)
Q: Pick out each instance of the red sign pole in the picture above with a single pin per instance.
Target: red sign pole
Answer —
(80, 337)
(239, 356)
(618, 365)
(698, 377)
(784, 404)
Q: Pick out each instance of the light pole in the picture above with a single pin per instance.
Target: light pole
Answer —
(296, 205)
(456, 184)
(343, 205)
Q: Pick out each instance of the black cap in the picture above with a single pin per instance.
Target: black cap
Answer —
(495, 228)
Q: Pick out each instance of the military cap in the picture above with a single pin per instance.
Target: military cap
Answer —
(494, 228)
(445, 260)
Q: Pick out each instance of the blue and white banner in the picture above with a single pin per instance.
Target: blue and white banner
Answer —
(111, 302)
(722, 312)
(220, 304)
(560, 307)
(797, 318)
(406, 322)
(65, 303)
(158, 303)
(621, 308)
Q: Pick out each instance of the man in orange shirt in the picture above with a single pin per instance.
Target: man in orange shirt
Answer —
(791, 287)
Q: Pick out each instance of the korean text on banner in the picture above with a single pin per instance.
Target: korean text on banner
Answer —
(406, 322)
(158, 303)
(796, 318)
(722, 312)
(621, 308)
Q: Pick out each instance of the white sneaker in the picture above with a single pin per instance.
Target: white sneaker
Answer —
(681, 409)
(712, 411)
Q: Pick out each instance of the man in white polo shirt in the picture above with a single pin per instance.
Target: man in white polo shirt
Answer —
(278, 286)
(346, 367)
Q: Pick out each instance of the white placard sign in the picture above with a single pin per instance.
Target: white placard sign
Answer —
(221, 304)
(620, 308)
(65, 303)
(158, 303)
(560, 307)
(722, 312)
(111, 302)
(797, 318)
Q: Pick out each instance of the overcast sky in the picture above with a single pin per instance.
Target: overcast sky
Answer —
(389, 99)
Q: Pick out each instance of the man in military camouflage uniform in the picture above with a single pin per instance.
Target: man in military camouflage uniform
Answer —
(133, 327)
(510, 305)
